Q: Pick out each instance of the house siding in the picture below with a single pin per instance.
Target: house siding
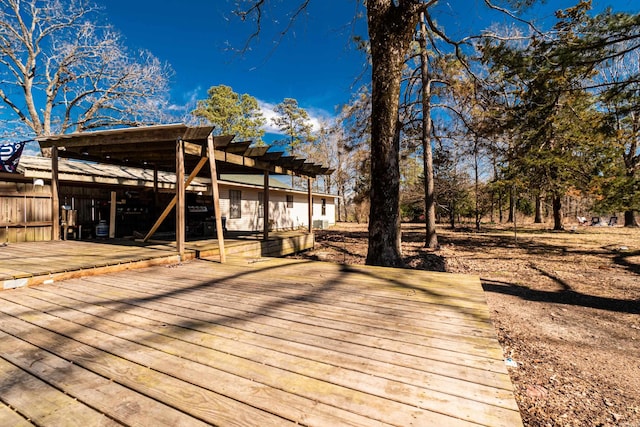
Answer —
(280, 216)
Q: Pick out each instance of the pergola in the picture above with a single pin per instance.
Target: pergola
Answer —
(176, 148)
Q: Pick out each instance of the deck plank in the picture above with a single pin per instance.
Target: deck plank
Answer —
(123, 404)
(10, 418)
(277, 341)
(349, 376)
(117, 289)
(42, 403)
(192, 387)
(460, 343)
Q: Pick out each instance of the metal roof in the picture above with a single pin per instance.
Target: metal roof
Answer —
(97, 173)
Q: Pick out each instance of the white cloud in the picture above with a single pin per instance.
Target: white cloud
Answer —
(190, 101)
(267, 111)
(176, 107)
(316, 116)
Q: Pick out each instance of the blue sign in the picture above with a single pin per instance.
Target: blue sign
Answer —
(10, 156)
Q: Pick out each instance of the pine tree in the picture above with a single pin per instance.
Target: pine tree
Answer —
(295, 123)
(554, 124)
(232, 114)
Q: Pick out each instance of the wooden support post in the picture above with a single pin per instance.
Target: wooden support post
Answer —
(310, 199)
(180, 197)
(173, 201)
(156, 194)
(215, 191)
(55, 196)
(265, 206)
(112, 215)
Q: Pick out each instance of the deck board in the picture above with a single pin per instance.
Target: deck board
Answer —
(44, 404)
(260, 342)
(10, 418)
(66, 259)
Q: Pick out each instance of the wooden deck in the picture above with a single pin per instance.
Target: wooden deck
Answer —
(33, 263)
(258, 342)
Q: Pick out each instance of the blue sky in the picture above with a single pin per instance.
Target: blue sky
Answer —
(314, 63)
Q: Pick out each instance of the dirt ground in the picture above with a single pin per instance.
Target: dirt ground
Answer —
(566, 307)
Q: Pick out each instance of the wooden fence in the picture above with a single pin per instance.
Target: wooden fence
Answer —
(25, 212)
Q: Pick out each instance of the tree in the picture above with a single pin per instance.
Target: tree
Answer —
(232, 114)
(431, 240)
(554, 124)
(391, 26)
(293, 121)
(354, 153)
(620, 181)
(61, 71)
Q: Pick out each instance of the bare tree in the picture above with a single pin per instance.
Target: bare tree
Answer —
(431, 240)
(61, 71)
(391, 27)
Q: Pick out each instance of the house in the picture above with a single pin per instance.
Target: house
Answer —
(85, 187)
(242, 203)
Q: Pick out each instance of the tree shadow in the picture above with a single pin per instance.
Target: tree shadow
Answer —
(566, 296)
(48, 317)
(622, 259)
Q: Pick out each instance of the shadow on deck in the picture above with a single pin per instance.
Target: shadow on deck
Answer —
(32, 263)
(253, 342)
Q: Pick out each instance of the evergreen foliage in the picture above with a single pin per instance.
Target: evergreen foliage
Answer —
(232, 114)
(295, 123)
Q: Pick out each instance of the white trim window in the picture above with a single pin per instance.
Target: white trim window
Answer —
(235, 204)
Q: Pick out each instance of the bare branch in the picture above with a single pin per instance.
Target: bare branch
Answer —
(513, 16)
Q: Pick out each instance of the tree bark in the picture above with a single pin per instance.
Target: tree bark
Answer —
(391, 27)
(452, 214)
(538, 218)
(476, 173)
(630, 219)
(512, 206)
(431, 240)
(493, 196)
(557, 212)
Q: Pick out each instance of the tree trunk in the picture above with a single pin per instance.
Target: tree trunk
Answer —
(452, 214)
(512, 206)
(493, 196)
(476, 172)
(630, 219)
(431, 240)
(538, 218)
(557, 213)
(391, 28)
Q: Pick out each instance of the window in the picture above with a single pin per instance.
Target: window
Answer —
(324, 207)
(235, 204)
(289, 201)
(260, 205)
